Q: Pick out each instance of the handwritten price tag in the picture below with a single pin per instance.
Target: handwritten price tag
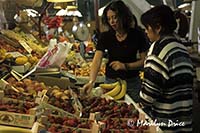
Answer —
(26, 46)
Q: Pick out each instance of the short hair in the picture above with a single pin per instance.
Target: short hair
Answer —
(161, 15)
(125, 16)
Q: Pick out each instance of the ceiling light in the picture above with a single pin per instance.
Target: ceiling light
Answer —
(88, 25)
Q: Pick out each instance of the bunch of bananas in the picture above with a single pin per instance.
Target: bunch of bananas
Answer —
(117, 90)
(141, 74)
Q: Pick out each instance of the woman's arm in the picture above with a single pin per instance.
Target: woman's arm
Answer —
(96, 64)
(117, 65)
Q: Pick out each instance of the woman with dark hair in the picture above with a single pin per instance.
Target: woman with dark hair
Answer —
(168, 73)
(123, 41)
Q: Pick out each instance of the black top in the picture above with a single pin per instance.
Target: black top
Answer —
(124, 51)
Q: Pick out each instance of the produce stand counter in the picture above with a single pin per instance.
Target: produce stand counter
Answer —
(64, 82)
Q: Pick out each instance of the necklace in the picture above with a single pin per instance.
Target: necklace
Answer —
(121, 37)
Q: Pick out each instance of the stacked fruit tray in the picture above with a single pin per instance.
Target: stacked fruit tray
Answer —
(115, 115)
(66, 124)
(17, 113)
(111, 115)
(60, 101)
(26, 90)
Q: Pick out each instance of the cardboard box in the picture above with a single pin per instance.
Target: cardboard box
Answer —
(17, 119)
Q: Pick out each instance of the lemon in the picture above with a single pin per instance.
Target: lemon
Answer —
(21, 60)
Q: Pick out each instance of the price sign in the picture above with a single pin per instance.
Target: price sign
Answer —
(26, 46)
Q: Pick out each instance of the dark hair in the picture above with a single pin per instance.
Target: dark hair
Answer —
(161, 15)
(183, 23)
(125, 16)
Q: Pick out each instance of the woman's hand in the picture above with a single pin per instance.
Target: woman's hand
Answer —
(87, 88)
(117, 65)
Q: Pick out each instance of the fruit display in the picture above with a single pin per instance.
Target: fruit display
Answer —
(77, 66)
(60, 98)
(108, 108)
(84, 69)
(16, 106)
(123, 125)
(114, 113)
(20, 36)
(21, 60)
(56, 124)
(117, 116)
(26, 89)
(20, 63)
(117, 90)
(10, 47)
(17, 113)
(15, 55)
(17, 59)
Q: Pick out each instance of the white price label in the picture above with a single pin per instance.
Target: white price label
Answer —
(26, 46)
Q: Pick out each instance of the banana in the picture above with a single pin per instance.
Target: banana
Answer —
(123, 90)
(109, 86)
(114, 91)
(141, 74)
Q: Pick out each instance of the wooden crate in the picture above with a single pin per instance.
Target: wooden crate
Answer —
(17, 119)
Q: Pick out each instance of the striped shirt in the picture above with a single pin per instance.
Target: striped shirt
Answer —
(167, 85)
